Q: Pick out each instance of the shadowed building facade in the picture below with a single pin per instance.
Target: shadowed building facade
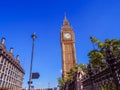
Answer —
(68, 48)
(11, 72)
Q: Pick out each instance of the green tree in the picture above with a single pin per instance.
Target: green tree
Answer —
(73, 70)
(96, 58)
(98, 55)
(61, 81)
(71, 73)
(108, 86)
(83, 68)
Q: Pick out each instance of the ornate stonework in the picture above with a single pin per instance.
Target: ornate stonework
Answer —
(68, 48)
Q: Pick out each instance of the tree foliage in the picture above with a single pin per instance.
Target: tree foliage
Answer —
(61, 81)
(98, 55)
(108, 86)
(71, 73)
(83, 67)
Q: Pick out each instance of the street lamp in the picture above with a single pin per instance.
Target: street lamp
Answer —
(30, 82)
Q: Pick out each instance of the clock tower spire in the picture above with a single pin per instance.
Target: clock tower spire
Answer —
(65, 22)
(68, 47)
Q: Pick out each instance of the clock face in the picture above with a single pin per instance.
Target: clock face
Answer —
(67, 35)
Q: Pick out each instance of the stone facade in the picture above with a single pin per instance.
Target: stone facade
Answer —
(68, 48)
(11, 72)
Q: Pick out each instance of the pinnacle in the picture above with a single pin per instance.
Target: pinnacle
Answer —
(65, 22)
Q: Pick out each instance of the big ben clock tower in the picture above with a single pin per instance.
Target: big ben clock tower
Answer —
(68, 48)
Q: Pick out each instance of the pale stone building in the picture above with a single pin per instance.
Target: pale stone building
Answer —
(11, 72)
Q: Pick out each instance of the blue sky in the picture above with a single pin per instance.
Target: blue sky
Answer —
(19, 19)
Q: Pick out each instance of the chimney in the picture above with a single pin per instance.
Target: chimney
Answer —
(17, 57)
(3, 41)
(11, 50)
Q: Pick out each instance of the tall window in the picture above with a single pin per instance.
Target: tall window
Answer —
(2, 75)
(2, 60)
(0, 65)
(0, 81)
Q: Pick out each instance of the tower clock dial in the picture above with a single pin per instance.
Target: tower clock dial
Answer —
(67, 35)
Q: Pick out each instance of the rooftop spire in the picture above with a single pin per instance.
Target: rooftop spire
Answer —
(65, 16)
(65, 20)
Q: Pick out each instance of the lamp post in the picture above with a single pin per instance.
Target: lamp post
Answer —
(30, 77)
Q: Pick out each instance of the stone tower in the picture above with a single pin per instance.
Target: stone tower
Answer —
(68, 48)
